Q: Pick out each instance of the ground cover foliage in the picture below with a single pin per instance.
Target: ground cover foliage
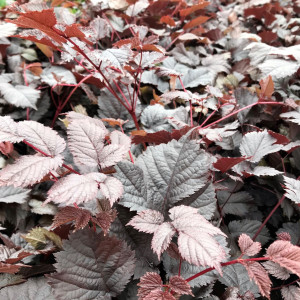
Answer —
(150, 150)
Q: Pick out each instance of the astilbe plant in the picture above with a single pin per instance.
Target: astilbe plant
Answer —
(182, 214)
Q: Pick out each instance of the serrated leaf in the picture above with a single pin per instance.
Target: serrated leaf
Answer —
(292, 188)
(149, 282)
(248, 246)
(75, 188)
(11, 194)
(286, 255)
(67, 214)
(61, 73)
(195, 241)
(265, 171)
(20, 95)
(33, 289)
(291, 292)
(180, 286)
(147, 221)
(176, 170)
(86, 139)
(9, 130)
(117, 57)
(39, 237)
(276, 270)
(257, 272)
(42, 137)
(28, 170)
(258, 144)
(236, 275)
(112, 189)
(162, 238)
(248, 227)
(93, 265)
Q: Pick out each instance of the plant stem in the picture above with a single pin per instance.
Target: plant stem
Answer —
(267, 218)
(236, 261)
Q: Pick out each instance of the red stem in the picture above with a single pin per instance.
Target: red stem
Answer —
(241, 109)
(42, 152)
(236, 261)
(267, 218)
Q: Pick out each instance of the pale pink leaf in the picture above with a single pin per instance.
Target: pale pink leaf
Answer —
(42, 137)
(291, 292)
(112, 154)
(147, 221)
(180, 286)
(292, 188)
(185, 218)
(286, 255)
(149, 282)
(9, 130)
(112, 189)
(201, 249)
(75, 188)
(276, 270)
(195, 241)
(29, 169)
(257, 272)
(86, 139)
(248, 246)
(119, 138)
(162, 238)
(256, 145)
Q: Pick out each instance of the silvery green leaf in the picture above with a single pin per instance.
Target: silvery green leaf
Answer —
(33, 289)
(11, 194)
(248, 227)
(177, 169)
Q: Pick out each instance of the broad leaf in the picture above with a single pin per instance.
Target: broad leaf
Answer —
(33, 289)
(256, 145)
(9, 130)
(176, 170)
(42, 137)
(112, 189)
(286, 255)
(28, 170)
(106, 268)
(292, 116)
(20, 95)
(276, 270)
(10, 194)
(75, 188)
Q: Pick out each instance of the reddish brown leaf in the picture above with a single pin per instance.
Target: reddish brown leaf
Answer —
(159, 137)
(226, 163)
(267, 87)
(195, 22)
(180, 286)
(281, 139)
(187, 11)
(148, 283)
(20, 256)
(173, 251)
(11, 269)
(168, 20)
(104, 219)
(80, 216)
(268, 36)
